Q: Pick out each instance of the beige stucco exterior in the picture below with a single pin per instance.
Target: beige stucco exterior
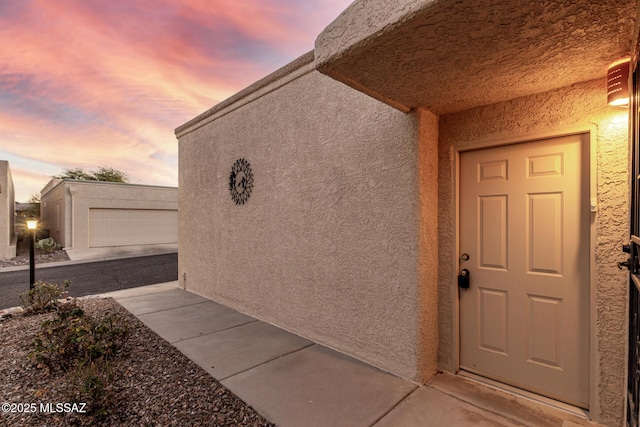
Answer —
(350, 235)
(7, 212)
(450, 56)
(578, 108)
(66, 207)
(328, 244)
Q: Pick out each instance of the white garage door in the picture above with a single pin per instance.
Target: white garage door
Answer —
(125, 227)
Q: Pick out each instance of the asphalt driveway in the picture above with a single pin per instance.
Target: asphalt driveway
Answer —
(93, 277)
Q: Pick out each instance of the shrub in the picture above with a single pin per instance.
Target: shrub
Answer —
(82, 348)
(49, 245)
(43, 297)
(75, 340)
(92, 384)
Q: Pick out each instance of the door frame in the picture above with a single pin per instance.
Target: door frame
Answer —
(633, 298)
(589, 130)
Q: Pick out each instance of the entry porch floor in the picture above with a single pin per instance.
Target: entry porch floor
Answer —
(295, 382)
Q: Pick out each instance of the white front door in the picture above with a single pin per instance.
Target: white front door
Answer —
(524, 224)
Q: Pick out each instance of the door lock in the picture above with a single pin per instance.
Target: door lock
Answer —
(463, 279)
(632, 262)
(624, 264)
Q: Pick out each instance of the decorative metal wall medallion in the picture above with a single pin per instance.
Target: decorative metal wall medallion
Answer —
(240, 181)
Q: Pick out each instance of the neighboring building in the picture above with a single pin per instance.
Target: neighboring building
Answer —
(91, 218)
(8, 237)
(24, 211)
(469, 136)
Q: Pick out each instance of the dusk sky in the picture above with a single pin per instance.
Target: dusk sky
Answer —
(90, 83)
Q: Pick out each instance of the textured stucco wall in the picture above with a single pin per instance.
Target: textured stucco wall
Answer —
(7, 212)
(580, 105)
(49, 198)
(428, 256)
(453, 55)
(328, 244)
(364, 19)
(77, 197)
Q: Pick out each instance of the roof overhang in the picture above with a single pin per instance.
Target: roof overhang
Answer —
(453, 55)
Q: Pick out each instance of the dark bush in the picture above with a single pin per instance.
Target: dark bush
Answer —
(82, 349)
(43, 297)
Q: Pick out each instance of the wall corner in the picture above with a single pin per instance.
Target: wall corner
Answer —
(428, 328)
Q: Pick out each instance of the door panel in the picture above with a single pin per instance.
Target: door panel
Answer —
(545, 320)
(524, 221)
(493, 231)
(493, 320)
(544, 233)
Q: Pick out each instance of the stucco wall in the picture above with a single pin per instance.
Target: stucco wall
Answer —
(582, 105)
(7, 212)
(328, 244)
(428, 256)
(541, 45)
(50, 198)
(76, 198)
(364, 19)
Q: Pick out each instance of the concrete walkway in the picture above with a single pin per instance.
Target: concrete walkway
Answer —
(295, 382)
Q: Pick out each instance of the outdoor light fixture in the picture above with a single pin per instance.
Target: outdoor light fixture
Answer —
(618, 83)
(32, 224)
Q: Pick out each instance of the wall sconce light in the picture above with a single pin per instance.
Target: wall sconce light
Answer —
(618, 83)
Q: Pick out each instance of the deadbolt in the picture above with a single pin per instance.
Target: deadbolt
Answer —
(465, 257)
(463, 279)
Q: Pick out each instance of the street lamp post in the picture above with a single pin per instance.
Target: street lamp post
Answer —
(32, 224)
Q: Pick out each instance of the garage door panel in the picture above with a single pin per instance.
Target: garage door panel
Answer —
(127, 227)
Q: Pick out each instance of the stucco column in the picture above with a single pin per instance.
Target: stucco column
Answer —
(428, 243)
(71, 236)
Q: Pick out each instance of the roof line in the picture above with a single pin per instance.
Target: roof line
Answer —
(300, 62)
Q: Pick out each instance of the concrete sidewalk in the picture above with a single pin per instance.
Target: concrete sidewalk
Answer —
(295, 382)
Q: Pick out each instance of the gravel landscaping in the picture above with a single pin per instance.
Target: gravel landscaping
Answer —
(154, 384)
(22, 255)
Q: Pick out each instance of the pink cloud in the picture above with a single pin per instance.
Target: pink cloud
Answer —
(97, 83)
(27, 183)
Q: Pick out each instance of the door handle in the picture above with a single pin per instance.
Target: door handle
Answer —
(463, 279)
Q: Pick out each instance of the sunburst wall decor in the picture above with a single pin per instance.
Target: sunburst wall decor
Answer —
(240, 181)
